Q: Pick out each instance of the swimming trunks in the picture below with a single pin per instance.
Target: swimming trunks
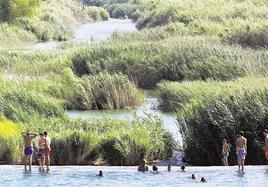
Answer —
(41, 154)
(28, 150)
(225, 156)
(241, 154)
(266, 152)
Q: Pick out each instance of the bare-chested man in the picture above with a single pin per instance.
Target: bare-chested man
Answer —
(28, 148)
(241, 150)
(265, 133)
(225, 152)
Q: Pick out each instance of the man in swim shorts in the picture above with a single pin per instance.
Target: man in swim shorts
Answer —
(47, 149)
(241, 150)
(265, 133)
(28, 148)
(225, 152)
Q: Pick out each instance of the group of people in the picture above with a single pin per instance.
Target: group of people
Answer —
(143, 167)
(241, 149)
(43, 150)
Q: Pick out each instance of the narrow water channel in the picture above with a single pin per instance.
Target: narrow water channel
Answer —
(85, 33)
(149, 108)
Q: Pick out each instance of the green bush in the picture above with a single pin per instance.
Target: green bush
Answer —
(210, 111)
(247, 38)
(73, 147)
(176, 96)
(13, 9)
(104, 91)
(10, 141)
(224, 118)
(149, 61)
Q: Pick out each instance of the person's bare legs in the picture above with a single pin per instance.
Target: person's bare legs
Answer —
(30, 162)
(25, 162)
(239, 164)
(43, 163)
(48, 162)
(242, 163)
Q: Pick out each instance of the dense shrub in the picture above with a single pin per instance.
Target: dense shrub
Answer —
(175, 96)
(10, 144)
(210, 111)
(104, 91)
(176, 59)
(204, 130)
(12, 9)
(247, 38)
(73, 147)
(22, 105)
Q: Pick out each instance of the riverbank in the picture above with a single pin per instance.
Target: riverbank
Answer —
(49, 22)
(129, 176)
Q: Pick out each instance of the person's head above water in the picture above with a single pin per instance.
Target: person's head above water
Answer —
(155, 168)
(241, 133)
(100, 173)
(182, 168)
(193, 176)
(203, 179)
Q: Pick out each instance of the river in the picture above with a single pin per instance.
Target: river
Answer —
(85, 33)
(128, 176)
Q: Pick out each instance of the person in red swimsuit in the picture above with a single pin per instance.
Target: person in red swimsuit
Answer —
(47, 149)
(265, 133)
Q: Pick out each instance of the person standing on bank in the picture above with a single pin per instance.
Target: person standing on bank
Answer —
(265, 133)
(47, 149)
(241, 150)
(28, 148)
(225, 152)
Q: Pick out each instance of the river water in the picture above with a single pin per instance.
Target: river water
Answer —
(128, 176)
(148, 109)
(85, 33)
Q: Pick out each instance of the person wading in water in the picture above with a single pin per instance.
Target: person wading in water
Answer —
(47, 149)
(28, 148)
(241, 150)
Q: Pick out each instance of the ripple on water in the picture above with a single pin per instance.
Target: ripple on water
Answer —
(128, 176)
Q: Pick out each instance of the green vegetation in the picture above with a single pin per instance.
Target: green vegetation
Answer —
(210, 111)
(37, 105)
(215, 51)
(148, 60)
(45, 22)
(13, 9)
(241, 22)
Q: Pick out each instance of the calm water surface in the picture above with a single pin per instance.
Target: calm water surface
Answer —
(149, 108)
(85, 33)
(128, 176)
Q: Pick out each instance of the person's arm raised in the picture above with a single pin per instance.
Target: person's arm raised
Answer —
(33, 134)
